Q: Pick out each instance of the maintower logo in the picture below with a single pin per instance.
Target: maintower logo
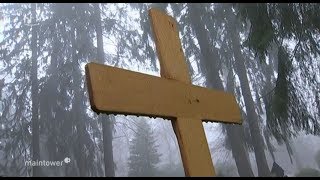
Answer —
(47, 163)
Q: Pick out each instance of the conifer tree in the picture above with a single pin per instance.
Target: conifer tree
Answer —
(143, 152)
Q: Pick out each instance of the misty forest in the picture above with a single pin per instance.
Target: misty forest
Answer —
(266, 54)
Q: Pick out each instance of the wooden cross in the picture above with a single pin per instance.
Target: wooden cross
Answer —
(117, 91)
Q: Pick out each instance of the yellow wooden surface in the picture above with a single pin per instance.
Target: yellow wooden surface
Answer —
(169, 49)
(118, 91)
(194, 150)
(190, 134)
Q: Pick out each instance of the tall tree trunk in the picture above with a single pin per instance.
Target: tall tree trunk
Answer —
(235, 134)
(76, 108)
(257, 139)
(268, 88)
(106, 122)
(210, 69)
(34, 94)
(266, 97)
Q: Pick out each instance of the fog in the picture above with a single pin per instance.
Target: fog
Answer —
(49, 129)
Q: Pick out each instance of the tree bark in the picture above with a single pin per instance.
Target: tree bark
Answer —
(106, 122)
(236, 138)
(257, 139)
(34, 94)
(209, 67)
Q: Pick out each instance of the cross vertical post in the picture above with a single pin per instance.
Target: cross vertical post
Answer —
(190, 134)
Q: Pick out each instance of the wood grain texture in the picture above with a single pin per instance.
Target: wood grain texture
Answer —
(168, 46)
(194, 149)
(190, 134)
(117, 91)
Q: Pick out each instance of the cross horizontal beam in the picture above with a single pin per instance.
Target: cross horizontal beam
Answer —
(117, 91)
